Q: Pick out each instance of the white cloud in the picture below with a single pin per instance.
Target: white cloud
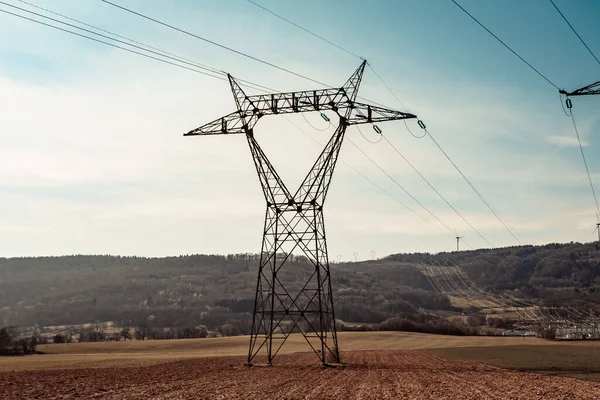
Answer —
(96, 163)
(567, 141)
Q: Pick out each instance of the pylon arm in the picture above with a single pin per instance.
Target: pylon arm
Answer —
(594, 88)
(255, 107)
(229, 124)
(365, 113)
(294, 102)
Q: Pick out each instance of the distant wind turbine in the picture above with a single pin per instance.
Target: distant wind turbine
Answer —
(458, 241)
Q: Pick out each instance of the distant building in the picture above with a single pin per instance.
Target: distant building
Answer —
(514, 333)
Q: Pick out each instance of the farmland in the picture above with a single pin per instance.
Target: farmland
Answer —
(580, 361)
(381, 365)
(109, 354)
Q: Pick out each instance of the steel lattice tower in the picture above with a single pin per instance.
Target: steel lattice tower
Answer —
(294, 222)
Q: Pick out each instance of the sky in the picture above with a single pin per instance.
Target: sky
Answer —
(93, 160)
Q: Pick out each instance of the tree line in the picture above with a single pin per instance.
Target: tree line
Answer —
(189, 291)
(14, 343)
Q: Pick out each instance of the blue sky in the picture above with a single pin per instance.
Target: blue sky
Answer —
(94, 160)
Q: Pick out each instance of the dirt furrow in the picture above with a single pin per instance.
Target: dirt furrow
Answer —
(369, 375)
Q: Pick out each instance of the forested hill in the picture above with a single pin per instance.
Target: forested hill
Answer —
(213, 289)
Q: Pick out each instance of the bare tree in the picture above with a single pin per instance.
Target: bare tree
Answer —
(143, 332)
(228, 330)
(5, 340)
(202, 331)
(125, 334)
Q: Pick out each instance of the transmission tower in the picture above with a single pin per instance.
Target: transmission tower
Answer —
(294, 222)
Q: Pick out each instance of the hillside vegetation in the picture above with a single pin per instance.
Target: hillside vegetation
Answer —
(213, 290)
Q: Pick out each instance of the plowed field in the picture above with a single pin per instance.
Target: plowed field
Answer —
(401, 374)
(139, 353)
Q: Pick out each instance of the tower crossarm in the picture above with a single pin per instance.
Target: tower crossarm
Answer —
(252, 108)
(229, 124)
(256, 107)
(594, 88)
(361, 113)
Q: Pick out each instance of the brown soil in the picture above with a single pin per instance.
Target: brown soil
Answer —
(402, 374)
(152, 352)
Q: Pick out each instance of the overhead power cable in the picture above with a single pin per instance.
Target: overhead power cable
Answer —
(488, 205)
(304, 29)
(113, 45)
(587, 170)
(427, 133)
(113, 34)
(505, 45)
(238, 52)
(367, 139)
(126, 41)
(575, 32)
(402, 187)
(505, 300)
(436, 191)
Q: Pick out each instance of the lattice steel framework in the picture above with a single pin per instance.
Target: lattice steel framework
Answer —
(294, 222)
(588, 90)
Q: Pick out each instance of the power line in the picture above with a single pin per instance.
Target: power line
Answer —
(145, 47)
(449, 159)
(331, 43)
(238, 52)
(436, 191)
(227, 47)
(505, 45)
(116, 40)
(304, 29)
(477, 192)
(387, 86)
(587, 170)
(112, 33)
(401, 187)
(113, 45)
(575, 32)
(366, 138)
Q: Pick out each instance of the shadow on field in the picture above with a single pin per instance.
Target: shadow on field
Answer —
(580, 361)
